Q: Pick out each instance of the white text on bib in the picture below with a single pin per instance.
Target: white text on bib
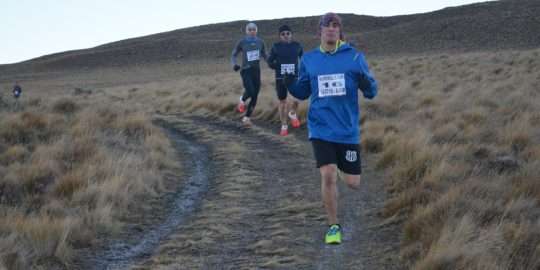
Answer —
(332, 85)
(252, 55)
(287, 69)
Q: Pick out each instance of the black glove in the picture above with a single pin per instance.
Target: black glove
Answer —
(236, 68)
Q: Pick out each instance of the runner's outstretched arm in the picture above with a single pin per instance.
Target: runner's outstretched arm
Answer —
(263, 53)
(237, 49)
(366, 82)
(272, 58)
(301, 88)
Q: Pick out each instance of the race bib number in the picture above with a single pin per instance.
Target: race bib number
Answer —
(287, 69)
(253, 55)
(332, 85)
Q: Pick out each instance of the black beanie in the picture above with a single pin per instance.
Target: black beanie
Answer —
(284, 28)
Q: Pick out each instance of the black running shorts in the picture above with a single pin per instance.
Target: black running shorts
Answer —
(281, 90)
(345, 156)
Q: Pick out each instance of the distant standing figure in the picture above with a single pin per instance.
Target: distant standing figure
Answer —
(252, 49)
(283, 59)
(17, 91)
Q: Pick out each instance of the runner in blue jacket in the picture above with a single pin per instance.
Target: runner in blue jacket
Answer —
(330, 76)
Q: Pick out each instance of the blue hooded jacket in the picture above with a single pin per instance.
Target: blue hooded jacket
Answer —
(331, 80)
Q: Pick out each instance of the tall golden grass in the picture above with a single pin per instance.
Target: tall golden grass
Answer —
(461, 157)
(68, 170)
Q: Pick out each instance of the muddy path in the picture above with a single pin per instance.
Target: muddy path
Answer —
(159, 217)
(260, 208)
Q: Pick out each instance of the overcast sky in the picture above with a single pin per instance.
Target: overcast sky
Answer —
(32, 28)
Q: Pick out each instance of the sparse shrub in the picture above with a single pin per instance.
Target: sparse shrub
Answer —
(372, 145)
(80, 91)
(450, 87)
(74, 151)
(135, 126)
(36, 177)
(34, 102)
(517, 134)
(69, 183)
(390, 153)
(65, 106)
(47, 237)
(428, 101)
(373, 133)
(163, 93)
(24, 128)
(526, 183)
(15, 153)
(381, 108)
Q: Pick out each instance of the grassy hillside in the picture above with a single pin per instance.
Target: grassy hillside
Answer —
(490, 25)
(457, 136)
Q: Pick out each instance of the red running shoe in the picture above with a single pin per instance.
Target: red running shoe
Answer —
(241, 107)
(294, 120)
(284, 131)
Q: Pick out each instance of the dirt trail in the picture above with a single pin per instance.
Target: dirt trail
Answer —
(147, 230)
(262, 208)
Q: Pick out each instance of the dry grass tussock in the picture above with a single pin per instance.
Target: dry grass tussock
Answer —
(68, 170)
(207, 93)
(458, 136)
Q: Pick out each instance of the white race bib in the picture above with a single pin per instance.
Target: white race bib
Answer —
(252, 55)
(332, 85)
(287, 69)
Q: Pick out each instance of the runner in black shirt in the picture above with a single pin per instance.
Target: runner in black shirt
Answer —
(283, 59)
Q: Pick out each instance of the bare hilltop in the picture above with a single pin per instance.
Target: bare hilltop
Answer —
(491, 25)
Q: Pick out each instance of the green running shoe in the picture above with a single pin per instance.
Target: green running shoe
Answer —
(333, 235)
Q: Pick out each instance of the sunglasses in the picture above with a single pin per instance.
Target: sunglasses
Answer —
(252, 29)
(285, 33)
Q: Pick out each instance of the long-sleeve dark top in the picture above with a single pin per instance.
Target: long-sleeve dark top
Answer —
(252, 49)
(284, 58)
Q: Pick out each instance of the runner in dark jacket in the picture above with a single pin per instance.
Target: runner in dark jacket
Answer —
(252, 49)
(17, 91)
(283, 59)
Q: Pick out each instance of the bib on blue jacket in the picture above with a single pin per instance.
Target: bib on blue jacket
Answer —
(331, 81)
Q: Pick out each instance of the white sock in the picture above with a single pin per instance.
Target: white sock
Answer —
(292, 115)
(284, 127)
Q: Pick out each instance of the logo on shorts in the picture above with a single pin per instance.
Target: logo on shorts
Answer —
(351, 156)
